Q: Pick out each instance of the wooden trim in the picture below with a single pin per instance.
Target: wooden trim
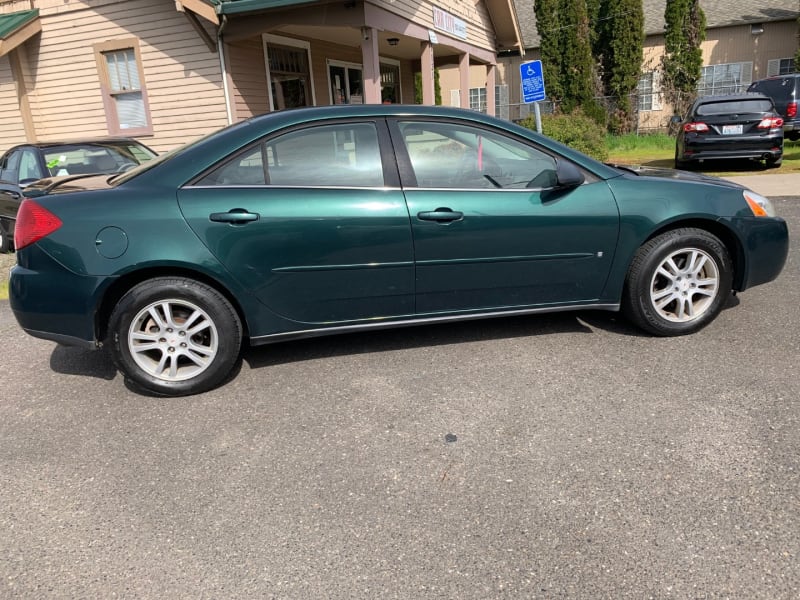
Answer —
(112, 118)
(21, 35)
(200, 8)
(201, 31)
(15, 58)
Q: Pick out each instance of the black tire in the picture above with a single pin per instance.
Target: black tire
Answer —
(774, 163)
(144, 342)
(5, 239)
(678, 282)
(680, 164)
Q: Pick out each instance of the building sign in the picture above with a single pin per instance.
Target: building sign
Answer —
(444, 21)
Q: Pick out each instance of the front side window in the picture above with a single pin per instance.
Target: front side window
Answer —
(342, 155)
(448, 155)
(29, 169)
(122, 86)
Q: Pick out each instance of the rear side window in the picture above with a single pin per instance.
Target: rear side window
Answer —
(754, 106)
(341, 155)
(777, 89)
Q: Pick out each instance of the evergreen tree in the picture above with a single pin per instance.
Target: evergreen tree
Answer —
(619, 45)
(577, 63)
(797, 54)
(685, 29)
(550, 46)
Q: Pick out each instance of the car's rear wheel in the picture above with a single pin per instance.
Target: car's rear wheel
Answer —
(175, 336)
(774, 163)
(678, 282)
(680, 164)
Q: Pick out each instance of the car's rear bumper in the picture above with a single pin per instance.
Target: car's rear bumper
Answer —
(66, 317)
(719, 147)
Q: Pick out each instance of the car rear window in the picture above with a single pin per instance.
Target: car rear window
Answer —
(729, 107)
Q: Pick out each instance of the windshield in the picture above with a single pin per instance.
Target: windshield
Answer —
(95, 157)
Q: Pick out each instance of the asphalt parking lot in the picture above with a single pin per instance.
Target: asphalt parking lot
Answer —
(560, 456)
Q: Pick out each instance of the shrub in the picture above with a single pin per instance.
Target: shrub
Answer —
(576, 130)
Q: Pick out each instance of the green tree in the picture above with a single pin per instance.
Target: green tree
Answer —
(550, 46)
(618, 43)
(577, 63)
(685, 29)
(797, 54)
(437, 88)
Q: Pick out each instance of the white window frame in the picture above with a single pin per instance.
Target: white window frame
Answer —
(266, 38)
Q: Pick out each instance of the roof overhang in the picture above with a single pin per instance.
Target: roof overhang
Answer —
(18, 27)
(506, 25)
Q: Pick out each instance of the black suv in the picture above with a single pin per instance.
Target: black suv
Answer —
(785, 93)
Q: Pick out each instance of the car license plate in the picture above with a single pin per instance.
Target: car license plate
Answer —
(731, 130)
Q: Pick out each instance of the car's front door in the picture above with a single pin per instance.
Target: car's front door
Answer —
(313, 222)
(490, 231)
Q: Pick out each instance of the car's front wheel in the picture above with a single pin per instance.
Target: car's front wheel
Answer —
(175, 336)
(678, 282)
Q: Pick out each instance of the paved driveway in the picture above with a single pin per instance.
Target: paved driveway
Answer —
(560, 456)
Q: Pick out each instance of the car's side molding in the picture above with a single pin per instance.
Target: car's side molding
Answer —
(395, 323)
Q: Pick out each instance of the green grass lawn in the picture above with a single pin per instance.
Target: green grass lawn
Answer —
(658, 150)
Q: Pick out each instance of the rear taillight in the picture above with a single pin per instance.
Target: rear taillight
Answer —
(33, 223)
(695, 127)
(770, 123)
(791, 110)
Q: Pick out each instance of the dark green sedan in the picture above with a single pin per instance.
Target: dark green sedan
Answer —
(336, 219)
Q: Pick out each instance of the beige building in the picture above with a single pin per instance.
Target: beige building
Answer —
(166, 71)
(745, 41)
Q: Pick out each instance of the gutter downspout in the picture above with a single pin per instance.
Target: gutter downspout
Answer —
(223, 69)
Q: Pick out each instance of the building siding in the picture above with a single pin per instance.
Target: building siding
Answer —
(181, 75)
(12, 130)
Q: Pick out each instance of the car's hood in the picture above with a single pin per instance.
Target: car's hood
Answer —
(676, 174)
(66, 184)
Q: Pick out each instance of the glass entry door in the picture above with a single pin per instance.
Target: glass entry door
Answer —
(347, 83)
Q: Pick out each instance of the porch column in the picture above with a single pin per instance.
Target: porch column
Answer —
(463, 79)
(491, 108)
(428, 94)
(372, 67)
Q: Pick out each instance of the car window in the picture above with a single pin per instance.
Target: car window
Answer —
(10, 166)
(449, 155)
(29, 169)
(345, 154)
(753, 106)
(778, 89)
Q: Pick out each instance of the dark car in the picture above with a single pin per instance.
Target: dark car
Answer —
(317, 221)
(784, 90)
(26, 163)
(730, 126)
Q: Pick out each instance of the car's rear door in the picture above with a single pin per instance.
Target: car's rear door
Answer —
(490, 231)
(312, 221)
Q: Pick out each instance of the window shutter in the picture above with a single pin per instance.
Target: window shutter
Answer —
(455, 98)
(656, 90)
(773, 67)
(501, 101)
(747, 76)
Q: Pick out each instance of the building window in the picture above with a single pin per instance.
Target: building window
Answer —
(390, 82)
(645, 89)
(780, 66)
(477, 99)
(122, 85)
(288, 72)
(730, 78)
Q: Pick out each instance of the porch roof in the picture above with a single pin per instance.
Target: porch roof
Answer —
(17, 27)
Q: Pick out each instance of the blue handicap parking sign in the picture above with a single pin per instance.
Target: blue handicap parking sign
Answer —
(532, 81)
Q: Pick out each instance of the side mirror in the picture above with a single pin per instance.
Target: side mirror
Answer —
(676, 119)
(568, 175)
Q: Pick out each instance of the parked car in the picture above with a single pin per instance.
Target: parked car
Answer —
(26, 163)
(730, 126)
(10, 197)
(326, 220)
(784, 90)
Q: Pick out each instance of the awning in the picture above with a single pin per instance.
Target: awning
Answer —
(232, 7)
(18, 27)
